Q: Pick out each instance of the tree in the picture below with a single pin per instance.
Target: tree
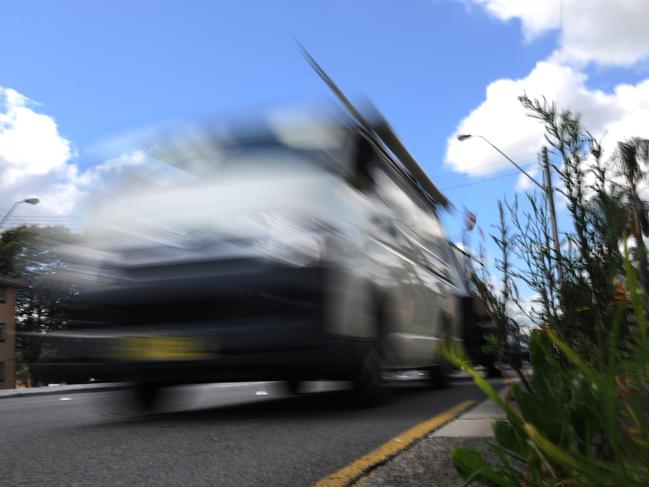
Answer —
(583, 417)
(632, 157)
(28, 254)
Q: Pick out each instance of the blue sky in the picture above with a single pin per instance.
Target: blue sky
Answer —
(100, 67)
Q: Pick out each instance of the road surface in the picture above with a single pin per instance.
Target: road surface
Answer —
(217, 434)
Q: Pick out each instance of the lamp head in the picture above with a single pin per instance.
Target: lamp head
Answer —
(462, 137)
(32, 201)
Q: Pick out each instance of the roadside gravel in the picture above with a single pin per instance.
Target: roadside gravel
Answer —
(428, 462)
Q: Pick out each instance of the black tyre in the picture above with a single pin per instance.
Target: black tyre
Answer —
(293, 386)
(147, 395)
(438, 376)
(493, 372)
(368, 380)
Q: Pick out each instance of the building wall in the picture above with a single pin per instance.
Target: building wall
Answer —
(8, 345)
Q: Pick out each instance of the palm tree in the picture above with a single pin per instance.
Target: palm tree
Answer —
(632, 157)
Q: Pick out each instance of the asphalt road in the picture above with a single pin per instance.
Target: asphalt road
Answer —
(219, 434)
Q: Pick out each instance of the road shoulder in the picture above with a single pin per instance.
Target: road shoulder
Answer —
(392, 448)
(428, 462)
(62, 389)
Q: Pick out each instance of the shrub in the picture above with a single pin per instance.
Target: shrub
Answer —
(582, 422)
(583, 417)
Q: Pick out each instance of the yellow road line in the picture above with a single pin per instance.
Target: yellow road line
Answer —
(346, 475)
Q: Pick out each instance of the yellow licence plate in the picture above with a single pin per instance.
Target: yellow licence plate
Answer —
(162, 348)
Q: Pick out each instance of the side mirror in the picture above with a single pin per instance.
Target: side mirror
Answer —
(363, 162)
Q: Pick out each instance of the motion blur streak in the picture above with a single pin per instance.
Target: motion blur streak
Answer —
(287, 249)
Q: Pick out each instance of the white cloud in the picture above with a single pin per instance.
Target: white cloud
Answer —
(537, 16)
(36, 160)
(501, 118)
(600, 31)
(30, 143)
(526, 311)
(523, 183)
(74, 187)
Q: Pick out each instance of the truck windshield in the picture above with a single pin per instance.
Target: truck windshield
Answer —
(300, 148)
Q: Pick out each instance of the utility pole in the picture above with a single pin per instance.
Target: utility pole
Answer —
(549, 192)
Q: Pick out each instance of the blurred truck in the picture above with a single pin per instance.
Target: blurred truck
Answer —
(292, 250)
(283, 252)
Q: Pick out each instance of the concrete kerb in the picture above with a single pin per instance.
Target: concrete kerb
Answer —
(475, 423)
(63, 389)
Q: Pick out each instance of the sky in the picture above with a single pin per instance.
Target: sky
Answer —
(76, 74)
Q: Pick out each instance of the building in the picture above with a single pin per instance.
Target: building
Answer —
(8, 289)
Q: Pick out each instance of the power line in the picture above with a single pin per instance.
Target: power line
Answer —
(47, 217)
(453, 179)
(54, 220)
(472, 183)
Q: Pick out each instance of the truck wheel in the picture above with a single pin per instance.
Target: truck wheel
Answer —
(493, 372)
(438, 376)
(368, 379)
(147, 395)
(293, 386)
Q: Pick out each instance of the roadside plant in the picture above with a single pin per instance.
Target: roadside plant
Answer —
(582, 418)
(631, 159)
(583, 421)
(505, 340)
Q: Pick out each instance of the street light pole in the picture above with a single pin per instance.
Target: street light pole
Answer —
(468, 136)
(546, 188)
(29, 201)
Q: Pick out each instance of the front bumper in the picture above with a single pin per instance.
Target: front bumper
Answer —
(264, 325)
(335, 358)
